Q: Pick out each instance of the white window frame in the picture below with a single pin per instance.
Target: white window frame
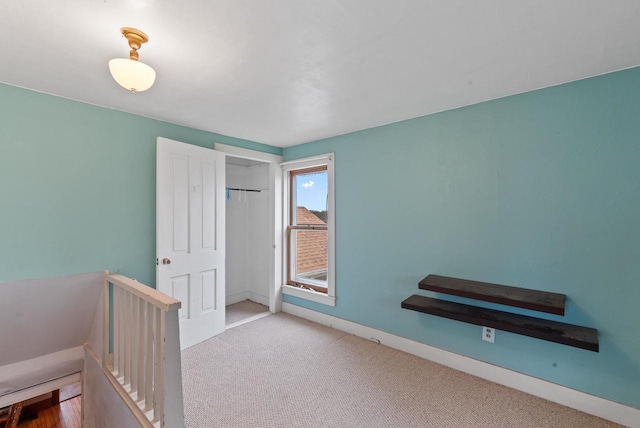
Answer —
(328, 298)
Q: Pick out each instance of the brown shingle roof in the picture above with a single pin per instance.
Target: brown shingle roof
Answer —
(311, 246)
(304, 216)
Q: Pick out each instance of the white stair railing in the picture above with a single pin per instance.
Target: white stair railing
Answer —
(144, 364)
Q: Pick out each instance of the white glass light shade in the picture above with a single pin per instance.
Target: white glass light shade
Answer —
(132, 75)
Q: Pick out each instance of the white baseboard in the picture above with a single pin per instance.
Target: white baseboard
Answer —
(606, 409)
(259, 298)
(231, 299)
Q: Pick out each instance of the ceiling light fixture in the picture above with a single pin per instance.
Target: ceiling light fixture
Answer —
(130, 73)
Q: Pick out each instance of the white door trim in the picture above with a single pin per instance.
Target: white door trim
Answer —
(239, 152)
(275, 214)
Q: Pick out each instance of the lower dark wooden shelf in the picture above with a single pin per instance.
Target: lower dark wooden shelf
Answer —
(553, 331)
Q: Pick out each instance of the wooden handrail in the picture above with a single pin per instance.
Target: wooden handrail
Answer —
(146, 349)
(148, 294)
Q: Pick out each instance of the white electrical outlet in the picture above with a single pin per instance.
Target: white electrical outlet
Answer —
(489, 334)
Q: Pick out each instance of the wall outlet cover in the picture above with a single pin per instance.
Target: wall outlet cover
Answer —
(489, 334)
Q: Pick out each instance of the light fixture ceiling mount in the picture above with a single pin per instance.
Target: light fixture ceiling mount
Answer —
(131, 73)
(135, 38)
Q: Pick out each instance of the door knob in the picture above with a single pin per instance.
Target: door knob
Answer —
(166, 261)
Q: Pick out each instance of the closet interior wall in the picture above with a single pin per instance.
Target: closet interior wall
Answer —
(247, 233)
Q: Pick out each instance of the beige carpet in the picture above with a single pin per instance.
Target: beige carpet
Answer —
(242, 310)
(283, 371)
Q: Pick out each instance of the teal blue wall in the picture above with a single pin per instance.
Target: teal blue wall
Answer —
(538, 190)
(77, 186)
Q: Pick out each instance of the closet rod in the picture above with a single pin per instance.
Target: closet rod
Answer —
(243, 190)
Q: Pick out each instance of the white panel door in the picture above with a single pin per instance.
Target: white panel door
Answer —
(190, 236)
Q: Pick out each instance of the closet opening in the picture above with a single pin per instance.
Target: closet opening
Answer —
(248, 240)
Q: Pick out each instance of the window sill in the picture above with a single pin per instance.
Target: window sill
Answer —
(314, 296)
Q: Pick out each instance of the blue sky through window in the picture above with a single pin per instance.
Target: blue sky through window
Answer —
(311, 191)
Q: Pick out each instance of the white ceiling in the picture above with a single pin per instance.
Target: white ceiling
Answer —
(284, 72)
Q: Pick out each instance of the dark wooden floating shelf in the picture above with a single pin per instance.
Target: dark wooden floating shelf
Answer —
(553, 331)
(542, 301)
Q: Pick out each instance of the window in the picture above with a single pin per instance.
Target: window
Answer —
(309, 229)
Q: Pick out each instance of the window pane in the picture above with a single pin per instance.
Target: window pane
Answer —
(311, 256)
(310, 195)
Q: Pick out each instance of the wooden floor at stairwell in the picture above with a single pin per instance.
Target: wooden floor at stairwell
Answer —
(66, 414)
